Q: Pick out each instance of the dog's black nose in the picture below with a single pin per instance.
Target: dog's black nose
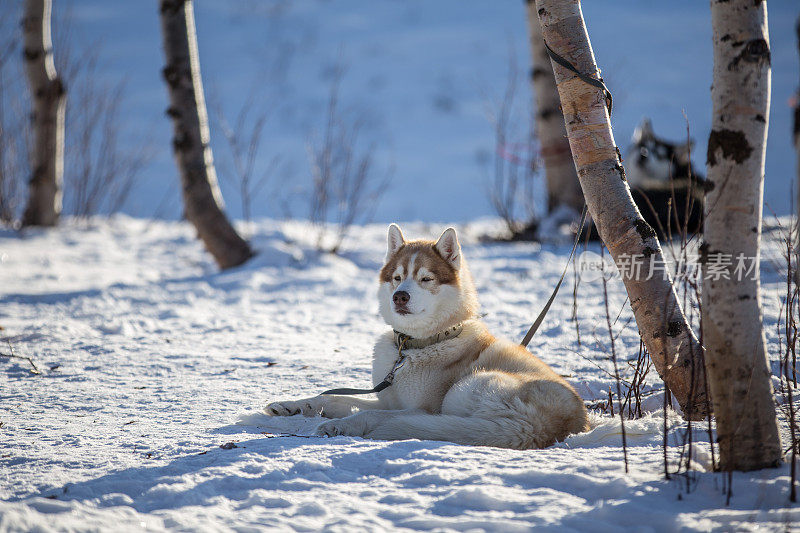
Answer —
(401, 298)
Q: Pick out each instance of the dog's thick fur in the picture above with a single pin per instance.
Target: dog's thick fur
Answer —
(472, 389)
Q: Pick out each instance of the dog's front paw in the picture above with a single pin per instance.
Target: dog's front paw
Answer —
(289, 408)
(342, 426)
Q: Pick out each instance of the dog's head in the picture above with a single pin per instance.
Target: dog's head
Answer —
(653, 161)
(425, 286)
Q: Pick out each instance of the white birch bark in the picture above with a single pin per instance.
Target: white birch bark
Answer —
(736, 361)
(202, 199)
(48, 101)
(673, 347)
(561, 180)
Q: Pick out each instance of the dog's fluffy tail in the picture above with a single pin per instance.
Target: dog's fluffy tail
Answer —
(504, 432)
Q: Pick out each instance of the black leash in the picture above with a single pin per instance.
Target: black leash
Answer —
(352, 392)
(402, 339)
(540, 318)
(588, 79)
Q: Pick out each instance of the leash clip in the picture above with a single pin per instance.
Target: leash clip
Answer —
(401, 357)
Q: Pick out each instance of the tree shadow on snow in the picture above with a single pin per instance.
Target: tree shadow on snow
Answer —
(258, 422)
(260, 471)
(236, 472)
(49, 297)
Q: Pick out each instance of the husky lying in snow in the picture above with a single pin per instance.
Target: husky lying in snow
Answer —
(452, 380)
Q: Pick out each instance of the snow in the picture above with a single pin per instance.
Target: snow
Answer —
(153, 362)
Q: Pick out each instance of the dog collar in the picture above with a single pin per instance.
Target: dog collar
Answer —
(402, 342)
(407, 342)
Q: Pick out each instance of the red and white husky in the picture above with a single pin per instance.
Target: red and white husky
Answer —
(453, 380)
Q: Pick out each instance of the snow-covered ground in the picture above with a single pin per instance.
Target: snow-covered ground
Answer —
(152, 363)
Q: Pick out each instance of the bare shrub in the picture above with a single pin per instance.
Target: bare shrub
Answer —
(686, 282)
(787, 346)
(13, 159)
(630, 378)
(15, 128)
(514, 165)
(243, 138)
(789, 360)
(99, 173)
(616, 371)
(345, 189)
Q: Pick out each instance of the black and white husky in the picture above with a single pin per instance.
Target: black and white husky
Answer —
(452, 380)
(664, 185)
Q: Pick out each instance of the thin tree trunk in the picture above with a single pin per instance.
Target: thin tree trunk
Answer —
(736, 360)
(48, 99)
(202, 199)
(670, 341)
(563, 187)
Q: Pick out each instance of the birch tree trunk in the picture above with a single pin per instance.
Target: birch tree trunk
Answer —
(48, 101)
(202, 199)
(675, 352)
(736, 361)
(561, 180)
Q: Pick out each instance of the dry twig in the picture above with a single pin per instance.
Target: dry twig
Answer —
(12, 355)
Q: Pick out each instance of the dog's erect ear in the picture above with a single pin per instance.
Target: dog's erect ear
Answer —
(448, 246)
(396, 240)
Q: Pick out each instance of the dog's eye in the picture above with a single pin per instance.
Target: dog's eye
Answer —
(397, 278)
(426, 278)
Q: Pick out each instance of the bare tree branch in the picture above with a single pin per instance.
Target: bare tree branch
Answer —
(344, 187)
